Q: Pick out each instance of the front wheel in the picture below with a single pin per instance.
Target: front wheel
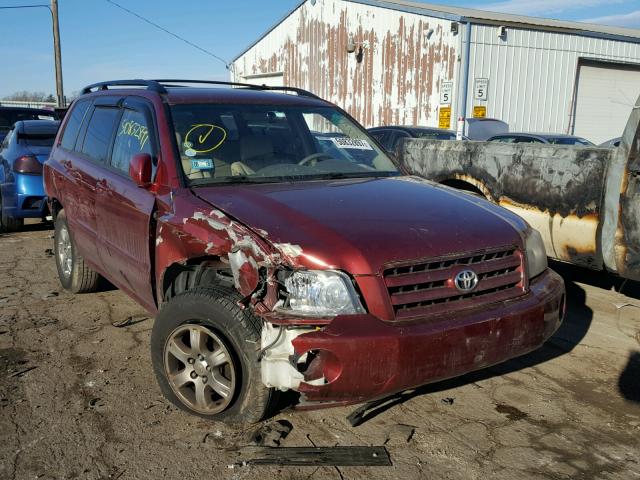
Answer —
(205, 352)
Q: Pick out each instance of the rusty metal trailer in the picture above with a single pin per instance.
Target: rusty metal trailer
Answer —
(585, 201)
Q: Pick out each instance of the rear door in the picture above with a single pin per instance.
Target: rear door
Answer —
(124, 210)
(86, 167)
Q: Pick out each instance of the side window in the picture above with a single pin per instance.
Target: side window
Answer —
(527, 140)
(74, 123)
(99, 133)
(7, 139)
(505, 139)
(132, 137)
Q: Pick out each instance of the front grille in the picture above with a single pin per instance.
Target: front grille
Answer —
(427, 288)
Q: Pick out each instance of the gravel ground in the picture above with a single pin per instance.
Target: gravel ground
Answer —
(78, 398)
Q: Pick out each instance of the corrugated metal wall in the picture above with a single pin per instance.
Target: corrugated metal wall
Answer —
(532, 74)
(398, 78)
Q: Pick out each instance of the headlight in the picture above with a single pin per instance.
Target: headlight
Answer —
(320, 293)
(536, 253)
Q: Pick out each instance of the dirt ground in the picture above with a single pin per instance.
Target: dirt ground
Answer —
(78, 398)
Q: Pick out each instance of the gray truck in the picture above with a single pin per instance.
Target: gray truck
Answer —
(585, 201)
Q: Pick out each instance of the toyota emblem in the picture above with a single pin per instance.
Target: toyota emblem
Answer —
(466, 280)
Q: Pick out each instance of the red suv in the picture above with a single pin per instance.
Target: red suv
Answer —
(282, 249)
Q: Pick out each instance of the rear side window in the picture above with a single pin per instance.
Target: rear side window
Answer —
(74, 123)
(99, 133)
(132, 138)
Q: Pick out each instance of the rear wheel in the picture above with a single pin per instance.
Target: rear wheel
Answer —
(9, 224)
(205, 352)
(75, 275)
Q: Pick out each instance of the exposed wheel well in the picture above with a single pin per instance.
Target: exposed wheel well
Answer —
(462, 185)
(181, 277)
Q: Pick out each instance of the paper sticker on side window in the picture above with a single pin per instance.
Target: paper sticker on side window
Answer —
(353, 143)
(202, 164)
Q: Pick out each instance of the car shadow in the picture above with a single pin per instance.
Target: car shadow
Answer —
(573, 329)
(599, 279)
(629, 381)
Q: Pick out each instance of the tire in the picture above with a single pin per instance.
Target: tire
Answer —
(9, 224)
(214, 311)
(75, 275)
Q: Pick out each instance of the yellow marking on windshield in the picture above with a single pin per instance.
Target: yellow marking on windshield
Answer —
(204, 131)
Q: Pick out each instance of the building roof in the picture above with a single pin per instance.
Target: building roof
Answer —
(486, 17)
(460, 14)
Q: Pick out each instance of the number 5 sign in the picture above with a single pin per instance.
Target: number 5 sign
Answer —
(480, 88)
(445, 93)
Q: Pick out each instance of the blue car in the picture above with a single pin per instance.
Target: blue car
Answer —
(25, 148)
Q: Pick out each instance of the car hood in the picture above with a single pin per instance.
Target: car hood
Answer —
(362, 225)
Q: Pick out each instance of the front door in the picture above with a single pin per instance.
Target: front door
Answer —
(125, 210)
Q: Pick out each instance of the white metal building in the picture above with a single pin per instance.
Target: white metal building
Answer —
(396, 62)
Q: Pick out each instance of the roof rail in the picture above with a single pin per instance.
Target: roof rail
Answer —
(299, 91)
(157, 86)
(150, 84)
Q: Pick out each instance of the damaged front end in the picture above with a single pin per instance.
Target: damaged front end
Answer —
(340, 339)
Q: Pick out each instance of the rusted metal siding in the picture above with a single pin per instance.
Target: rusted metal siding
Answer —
(397, 80)
(532, 73)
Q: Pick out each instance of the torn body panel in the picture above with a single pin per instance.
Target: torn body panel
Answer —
(621, 225)
(559, 190)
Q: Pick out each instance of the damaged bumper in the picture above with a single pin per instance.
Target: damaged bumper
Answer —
(358, 358)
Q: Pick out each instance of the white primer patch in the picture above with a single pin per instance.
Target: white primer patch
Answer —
(289, 250)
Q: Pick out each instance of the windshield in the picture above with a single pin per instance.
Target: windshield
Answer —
(568, 141)
(256, 143)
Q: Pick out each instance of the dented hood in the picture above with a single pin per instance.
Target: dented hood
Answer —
(362, 225)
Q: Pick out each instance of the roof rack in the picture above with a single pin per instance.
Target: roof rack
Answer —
(159, 87)
(299, 91)
(150, 84)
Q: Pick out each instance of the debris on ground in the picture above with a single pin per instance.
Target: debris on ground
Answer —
(131, 320)
(400, 434)
(340, 456)
(448, 400)
(271, 434)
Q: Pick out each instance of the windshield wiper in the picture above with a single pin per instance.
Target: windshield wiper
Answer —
(205, 182)
(339, 175)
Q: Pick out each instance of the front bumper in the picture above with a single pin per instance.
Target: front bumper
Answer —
(362, 358)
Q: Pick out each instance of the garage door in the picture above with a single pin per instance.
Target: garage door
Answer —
(606, 94)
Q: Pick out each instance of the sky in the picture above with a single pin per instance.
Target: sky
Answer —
(101, 42)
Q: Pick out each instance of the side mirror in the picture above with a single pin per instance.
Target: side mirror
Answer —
(140, 169)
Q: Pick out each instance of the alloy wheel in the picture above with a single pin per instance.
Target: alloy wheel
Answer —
(65, 254)
(200, 369)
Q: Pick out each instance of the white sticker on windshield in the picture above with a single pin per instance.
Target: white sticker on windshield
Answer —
(353, 143)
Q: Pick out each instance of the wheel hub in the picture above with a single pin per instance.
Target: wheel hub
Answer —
(201, 368)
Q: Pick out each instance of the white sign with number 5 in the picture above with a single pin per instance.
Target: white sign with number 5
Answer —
(481, 88)
(445, 93)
